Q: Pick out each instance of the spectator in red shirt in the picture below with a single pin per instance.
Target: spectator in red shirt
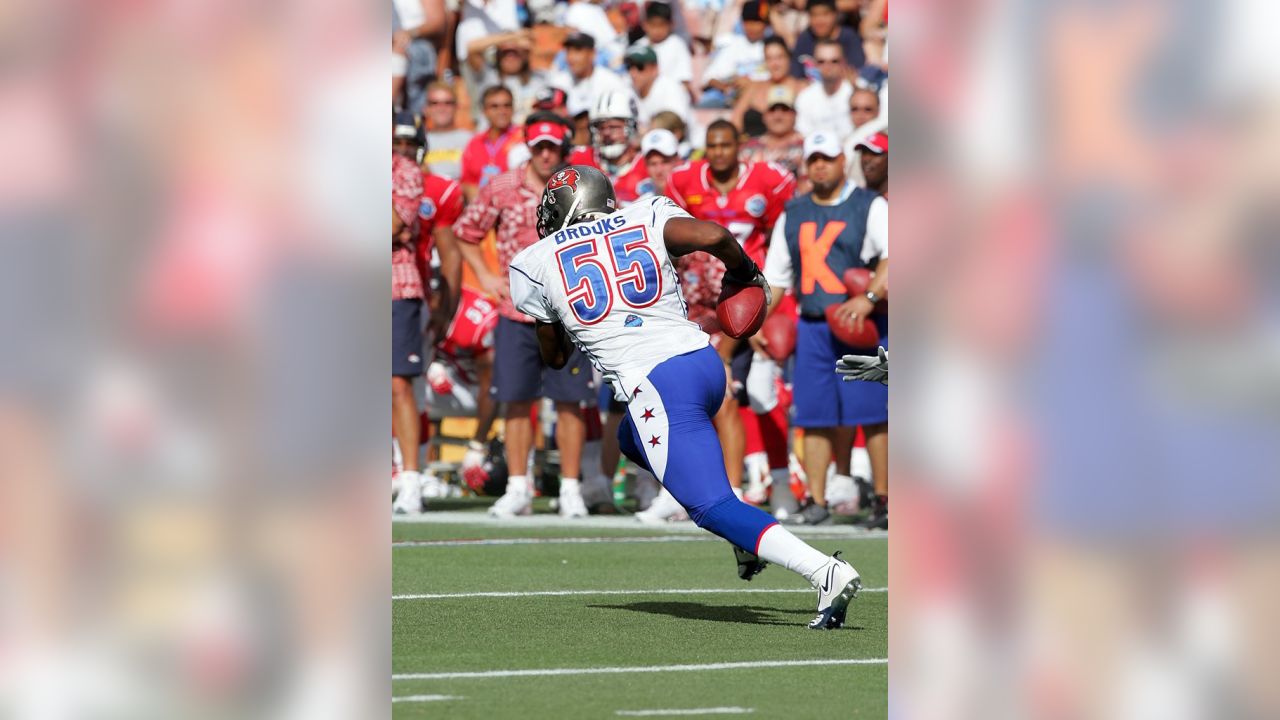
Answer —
(486, 155)
(508, 204)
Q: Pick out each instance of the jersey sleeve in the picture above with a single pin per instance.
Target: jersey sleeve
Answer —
(472, 165)
(527, 294)
(663, 209)
(673, 187)
(450, 205)
(777, 263)
(782, 188)
(877, 237)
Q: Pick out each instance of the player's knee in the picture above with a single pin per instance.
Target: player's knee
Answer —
(707, 515)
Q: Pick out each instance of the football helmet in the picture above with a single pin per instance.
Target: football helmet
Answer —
(614, 105)
(571, 193)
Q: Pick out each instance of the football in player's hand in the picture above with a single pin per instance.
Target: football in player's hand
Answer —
(856, 282)
(848, 334)
(779, 332)
(741, 309)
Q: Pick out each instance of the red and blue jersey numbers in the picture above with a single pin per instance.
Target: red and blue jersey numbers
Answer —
(631, 275)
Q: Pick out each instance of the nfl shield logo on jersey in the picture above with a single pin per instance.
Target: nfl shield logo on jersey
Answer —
(755, 205)
(427, 209)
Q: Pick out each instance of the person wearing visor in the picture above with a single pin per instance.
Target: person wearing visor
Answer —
(873, 158)
(508, 205)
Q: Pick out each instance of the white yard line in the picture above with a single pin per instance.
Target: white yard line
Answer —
(544, 672)
(425, 698)
(687, 711)
(640, 591)
(613, 522)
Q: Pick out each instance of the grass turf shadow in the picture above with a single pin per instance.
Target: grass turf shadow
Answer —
(741, 614)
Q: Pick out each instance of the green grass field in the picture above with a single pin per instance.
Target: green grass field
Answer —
(626, 615)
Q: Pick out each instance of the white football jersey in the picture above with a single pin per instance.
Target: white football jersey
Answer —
(612, 285)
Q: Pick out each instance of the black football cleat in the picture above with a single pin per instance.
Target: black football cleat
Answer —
(749, 565)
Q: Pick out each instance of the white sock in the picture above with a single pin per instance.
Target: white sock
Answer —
(519, 483)
(780, 547)
(569, 485)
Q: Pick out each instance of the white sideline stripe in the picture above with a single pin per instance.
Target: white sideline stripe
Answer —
(543, 672)
(554, 541)
(688, 711)
(661, 591)
(425, 698)
(615, 522)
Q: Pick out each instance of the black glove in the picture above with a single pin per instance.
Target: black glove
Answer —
(748, 273)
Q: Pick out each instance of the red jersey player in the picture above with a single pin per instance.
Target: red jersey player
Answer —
(440, 207)
(746, 199)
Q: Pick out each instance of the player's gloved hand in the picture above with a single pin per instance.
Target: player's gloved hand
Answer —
(748, 273)
(865, 367)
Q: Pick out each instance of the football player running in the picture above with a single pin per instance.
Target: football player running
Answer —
(601, 280)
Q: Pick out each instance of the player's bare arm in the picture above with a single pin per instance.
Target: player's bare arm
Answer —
(450, 266)
(553, 344)
(492, 283)
(687, 235)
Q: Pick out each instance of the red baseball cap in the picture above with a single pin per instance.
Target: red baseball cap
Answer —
(543, 132)
(878, 144)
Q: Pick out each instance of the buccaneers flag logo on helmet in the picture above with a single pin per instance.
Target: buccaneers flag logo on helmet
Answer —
(565, 178)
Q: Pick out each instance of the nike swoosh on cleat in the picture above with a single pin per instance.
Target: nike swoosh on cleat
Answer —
(826, 583)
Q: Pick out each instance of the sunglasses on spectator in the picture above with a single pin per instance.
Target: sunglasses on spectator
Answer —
(827, 61)
(442, 102)
(498, 106)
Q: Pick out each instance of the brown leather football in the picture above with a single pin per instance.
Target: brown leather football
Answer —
(780, 333)
(741, 309)
(868, 338)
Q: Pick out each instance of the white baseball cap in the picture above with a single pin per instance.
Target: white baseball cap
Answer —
(822, 143)
(661, 141)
